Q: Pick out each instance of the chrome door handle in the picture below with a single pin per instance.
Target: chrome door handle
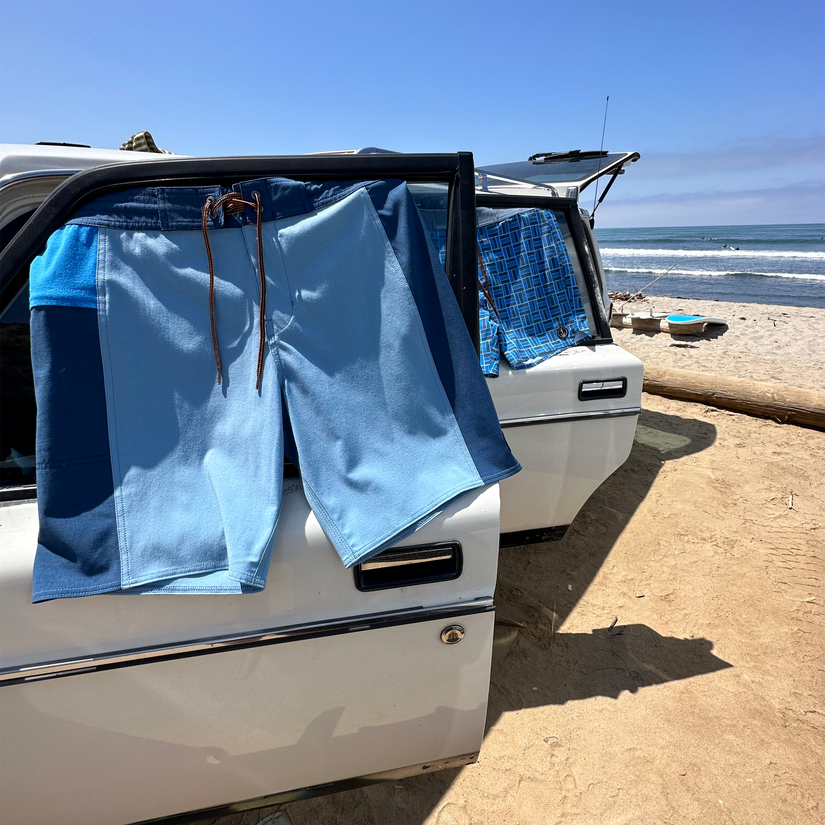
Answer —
(606, 388)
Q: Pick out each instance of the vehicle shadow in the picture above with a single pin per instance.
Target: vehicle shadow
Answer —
(576, 559)
(534, 664)
(711, 332)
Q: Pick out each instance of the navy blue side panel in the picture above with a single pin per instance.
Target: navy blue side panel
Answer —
(77, 551)
(149, 208)
(452, 350)
(161, 209)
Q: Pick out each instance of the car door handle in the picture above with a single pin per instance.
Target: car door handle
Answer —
(406, 566)
(606, 388)
(414, 555)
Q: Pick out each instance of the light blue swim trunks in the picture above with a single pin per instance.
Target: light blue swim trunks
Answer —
(173, 330)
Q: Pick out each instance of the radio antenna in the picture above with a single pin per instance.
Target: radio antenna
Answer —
(601, 149)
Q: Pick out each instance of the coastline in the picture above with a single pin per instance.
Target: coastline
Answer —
(763, 342)
(764, 264)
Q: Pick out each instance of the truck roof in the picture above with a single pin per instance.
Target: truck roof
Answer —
(21, 158)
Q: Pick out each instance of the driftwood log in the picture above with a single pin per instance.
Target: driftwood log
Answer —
(791, 405)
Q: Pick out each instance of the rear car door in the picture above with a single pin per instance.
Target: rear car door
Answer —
(118, 709)
(570, 420)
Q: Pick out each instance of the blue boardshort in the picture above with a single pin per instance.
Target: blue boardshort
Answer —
(529, 305)
(177, 332)
(530, 308)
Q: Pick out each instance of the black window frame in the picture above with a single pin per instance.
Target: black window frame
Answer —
(454, 169)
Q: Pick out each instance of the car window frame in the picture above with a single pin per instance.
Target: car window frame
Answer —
(457, 170)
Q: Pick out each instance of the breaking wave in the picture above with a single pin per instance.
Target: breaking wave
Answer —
(710, 253)
(712, 273)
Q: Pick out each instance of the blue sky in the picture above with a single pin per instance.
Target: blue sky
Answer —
(725, 100)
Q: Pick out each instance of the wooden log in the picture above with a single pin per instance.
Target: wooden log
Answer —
(645, 324)
(685, 329)
(788, 405)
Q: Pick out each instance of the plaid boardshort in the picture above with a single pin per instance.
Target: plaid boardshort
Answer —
(530, 308)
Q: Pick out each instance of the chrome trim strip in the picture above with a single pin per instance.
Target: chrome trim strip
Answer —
(258, 638)
(283, 797)
(37, 173)
(23, 492)
(581, 416)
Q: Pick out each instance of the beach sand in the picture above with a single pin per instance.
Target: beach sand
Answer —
(705, 703)
(778, 344)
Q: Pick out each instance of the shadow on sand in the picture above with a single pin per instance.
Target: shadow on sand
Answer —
(535, 665)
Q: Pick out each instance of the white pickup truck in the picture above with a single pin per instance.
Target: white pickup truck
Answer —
(122, 710)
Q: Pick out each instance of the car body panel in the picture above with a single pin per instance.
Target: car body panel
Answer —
(169, 737)
(306, 583)
(24, 159)
(128, 707)
(369, 686)
(567, 446)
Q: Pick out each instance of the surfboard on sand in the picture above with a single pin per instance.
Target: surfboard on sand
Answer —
(675, 320)
(690, 324)
(675, 324)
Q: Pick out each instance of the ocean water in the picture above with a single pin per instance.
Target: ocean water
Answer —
(780, 264)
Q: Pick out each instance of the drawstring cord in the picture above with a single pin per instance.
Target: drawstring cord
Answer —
(484, 281)
(233, 202)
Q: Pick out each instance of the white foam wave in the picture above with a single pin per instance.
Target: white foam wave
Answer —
(711, 253)
(642, 270)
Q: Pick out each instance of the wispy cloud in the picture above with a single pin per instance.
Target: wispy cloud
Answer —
(795, 203)
(775, 180)
(747, 156)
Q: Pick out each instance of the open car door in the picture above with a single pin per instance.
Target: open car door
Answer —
(571, 418)
(118, 709)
